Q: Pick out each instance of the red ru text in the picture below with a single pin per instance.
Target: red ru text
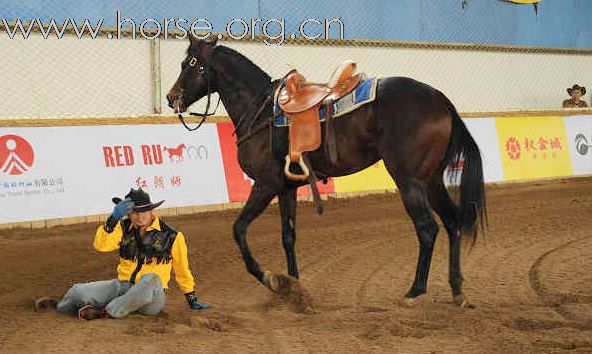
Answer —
(123, 155)
(152, 154)
(119, 155)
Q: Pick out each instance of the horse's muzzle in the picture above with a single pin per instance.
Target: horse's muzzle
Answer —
(176, 103)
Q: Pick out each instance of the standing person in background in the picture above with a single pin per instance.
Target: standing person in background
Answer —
(576, 92)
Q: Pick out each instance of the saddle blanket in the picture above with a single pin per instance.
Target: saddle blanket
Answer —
(364, 93)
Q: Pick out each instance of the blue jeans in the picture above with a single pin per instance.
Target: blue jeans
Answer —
(119, 298)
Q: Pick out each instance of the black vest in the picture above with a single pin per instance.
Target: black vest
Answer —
(155, 245)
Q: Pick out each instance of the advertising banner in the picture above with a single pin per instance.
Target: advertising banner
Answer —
(372, 178)
(59, 172)
(533, 147)
(484, 132)
(579, 136)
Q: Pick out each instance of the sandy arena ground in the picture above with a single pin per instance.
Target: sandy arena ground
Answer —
(530, 278)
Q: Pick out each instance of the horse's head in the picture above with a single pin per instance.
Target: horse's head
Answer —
(196, 79)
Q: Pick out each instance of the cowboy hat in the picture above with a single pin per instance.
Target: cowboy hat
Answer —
(576, 87)
(141, 200)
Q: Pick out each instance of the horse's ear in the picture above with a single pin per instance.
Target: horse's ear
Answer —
(212, 42)
(202, 42)
(202, 46)
(193, 40)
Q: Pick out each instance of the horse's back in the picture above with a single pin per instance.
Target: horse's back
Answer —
(410, 95)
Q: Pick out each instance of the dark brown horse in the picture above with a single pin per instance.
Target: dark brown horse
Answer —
(413, 127)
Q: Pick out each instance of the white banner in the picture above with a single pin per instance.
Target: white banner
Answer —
(579, 135)
(60, 172)
(484, 132)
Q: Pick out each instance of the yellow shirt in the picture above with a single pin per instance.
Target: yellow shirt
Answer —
(108, 242)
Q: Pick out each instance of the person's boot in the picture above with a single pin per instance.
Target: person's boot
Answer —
(46, 302)
(89, 312)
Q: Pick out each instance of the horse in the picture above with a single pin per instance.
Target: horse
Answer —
(411, 126)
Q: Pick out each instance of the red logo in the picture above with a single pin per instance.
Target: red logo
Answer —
(513, 148)
(16, 155)
(176, 154)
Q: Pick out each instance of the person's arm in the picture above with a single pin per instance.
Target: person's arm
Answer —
(183, 275)
(108, 236)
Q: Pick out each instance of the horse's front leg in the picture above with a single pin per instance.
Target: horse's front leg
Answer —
(259, 199)
(287, 199)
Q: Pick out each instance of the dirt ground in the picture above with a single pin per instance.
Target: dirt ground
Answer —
(530, 278)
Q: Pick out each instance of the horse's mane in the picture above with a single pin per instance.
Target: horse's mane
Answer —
(241, 65)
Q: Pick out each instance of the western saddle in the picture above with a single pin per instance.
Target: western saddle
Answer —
(301, 101)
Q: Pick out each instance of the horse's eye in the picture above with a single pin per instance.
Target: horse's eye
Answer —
(201, 69)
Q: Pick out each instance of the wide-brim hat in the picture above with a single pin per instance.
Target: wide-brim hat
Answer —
(141, 200)
(576, 87)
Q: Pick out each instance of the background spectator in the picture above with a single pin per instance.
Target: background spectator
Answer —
(576, 92)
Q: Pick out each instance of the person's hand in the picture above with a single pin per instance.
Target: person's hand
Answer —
(194, 303)
(123, 208)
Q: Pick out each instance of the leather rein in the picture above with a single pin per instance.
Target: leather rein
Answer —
(267, 122)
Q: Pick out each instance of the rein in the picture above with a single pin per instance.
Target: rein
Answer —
(252, 131)
(205, 114)
(261, 107)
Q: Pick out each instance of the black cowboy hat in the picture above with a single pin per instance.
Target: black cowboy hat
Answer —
(576, 87)
(141, 200)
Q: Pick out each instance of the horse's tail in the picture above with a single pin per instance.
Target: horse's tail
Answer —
(473, 212)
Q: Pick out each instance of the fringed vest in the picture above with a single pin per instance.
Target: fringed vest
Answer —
(154, 245)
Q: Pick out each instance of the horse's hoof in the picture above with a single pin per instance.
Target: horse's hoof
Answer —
(462, 302)
(270, 281)
(290, 289)
(414, 301)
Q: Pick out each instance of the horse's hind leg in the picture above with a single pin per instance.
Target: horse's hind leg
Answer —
(449, 213)
(287, 199)
(416, 203)
(259, 199)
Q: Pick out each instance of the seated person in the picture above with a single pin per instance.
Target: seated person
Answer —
(148, 250)
(576, 92)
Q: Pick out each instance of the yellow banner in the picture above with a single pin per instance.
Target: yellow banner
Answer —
(374, 177)
(533, 147)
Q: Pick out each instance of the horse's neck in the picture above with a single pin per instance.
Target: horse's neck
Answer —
(238, 99)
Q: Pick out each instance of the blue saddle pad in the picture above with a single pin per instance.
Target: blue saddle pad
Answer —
(364, 93)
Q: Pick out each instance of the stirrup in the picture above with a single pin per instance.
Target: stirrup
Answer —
(294, 176)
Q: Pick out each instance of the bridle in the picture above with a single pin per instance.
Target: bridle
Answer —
(269, 92)
(206, 72)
